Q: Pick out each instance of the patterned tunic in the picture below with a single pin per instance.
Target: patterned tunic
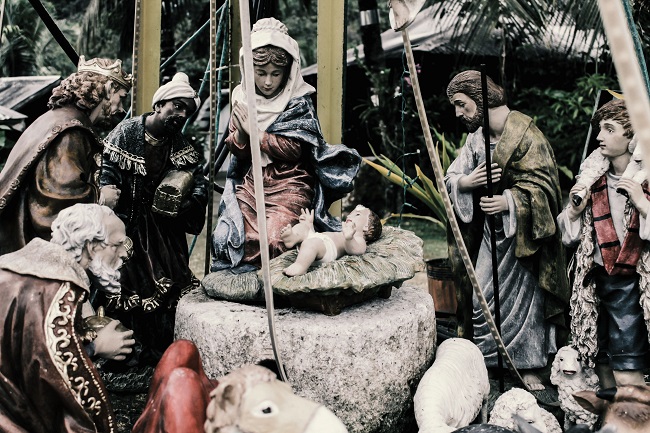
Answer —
(158, 274)
(47, 381)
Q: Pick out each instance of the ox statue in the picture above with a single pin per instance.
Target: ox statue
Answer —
(252, 400)
(625, 407)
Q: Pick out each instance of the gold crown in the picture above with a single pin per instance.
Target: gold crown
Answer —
(113, 71)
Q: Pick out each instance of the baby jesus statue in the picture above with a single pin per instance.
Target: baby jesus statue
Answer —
(360, 227)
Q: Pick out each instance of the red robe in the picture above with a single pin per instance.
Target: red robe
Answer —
(288, 187)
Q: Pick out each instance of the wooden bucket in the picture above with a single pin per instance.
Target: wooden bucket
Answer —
(441, 286)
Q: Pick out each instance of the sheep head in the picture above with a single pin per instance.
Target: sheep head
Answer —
(567, 366)
(519, 402)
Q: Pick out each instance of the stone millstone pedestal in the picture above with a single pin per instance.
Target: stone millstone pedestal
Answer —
(364, 364)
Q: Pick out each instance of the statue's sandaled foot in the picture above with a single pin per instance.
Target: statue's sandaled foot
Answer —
(295, 269)
(532, 381)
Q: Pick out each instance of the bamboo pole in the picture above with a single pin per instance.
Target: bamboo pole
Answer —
(146, 55)
(629, 73)
(256, 157)
(331, 74)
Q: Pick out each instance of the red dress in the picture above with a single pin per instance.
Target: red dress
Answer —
(288, 187)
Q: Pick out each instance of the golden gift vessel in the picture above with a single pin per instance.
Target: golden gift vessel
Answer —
(171, 192)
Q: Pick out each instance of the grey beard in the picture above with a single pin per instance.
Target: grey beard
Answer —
(107, 277)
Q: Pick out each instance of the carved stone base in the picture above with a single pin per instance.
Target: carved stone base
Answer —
(363, 364)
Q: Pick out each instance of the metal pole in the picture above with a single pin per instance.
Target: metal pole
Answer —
(215, 104)
(214, 123)
(490, 218)
(54, 30)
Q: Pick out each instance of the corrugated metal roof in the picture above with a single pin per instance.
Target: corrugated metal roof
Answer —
(16, 92)
(12, 119)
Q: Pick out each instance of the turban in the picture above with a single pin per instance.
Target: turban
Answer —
(178, 87)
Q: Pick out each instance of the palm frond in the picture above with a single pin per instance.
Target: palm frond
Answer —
(476, 21)
(17, 55)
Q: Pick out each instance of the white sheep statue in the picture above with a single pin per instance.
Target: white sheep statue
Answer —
(570, 376)
(453, 390)
(517, 401)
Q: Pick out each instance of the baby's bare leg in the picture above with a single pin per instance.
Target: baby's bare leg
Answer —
(290, 237)
(311, 250)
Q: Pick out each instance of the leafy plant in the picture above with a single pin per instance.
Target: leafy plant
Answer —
(420, 186)
(563, 116)
(27, 47)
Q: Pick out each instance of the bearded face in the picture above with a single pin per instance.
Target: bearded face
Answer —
(473, 123)
(174, 123)
(175, 112)
(104, 121)
(469, 111)
(107, 276)
(112, 107)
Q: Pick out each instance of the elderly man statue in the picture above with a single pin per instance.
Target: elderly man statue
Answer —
(56, 160)
(532, 282)
(140, 155)
(47, 379)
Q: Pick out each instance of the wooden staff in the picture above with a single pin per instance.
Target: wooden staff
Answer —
(256, 157)
(490, 218)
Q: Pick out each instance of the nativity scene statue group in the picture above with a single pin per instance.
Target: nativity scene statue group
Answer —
(94, 256)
